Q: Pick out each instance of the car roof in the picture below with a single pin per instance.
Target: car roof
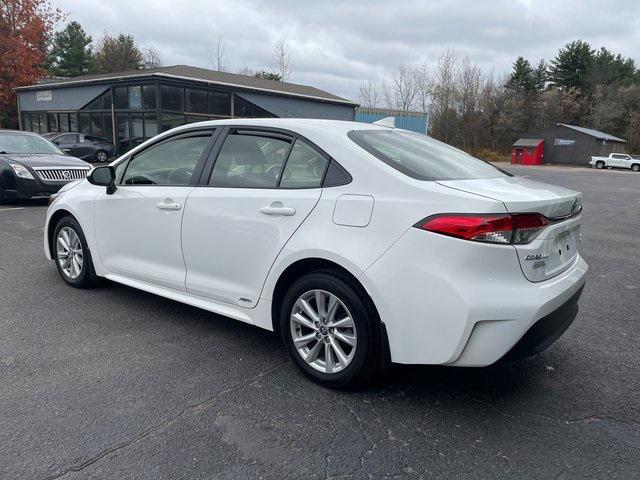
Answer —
(293, 124)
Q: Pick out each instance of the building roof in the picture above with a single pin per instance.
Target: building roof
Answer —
(186, 72)
(594, 133)
(528, 142)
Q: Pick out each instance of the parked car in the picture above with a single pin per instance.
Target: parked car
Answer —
(360, 244)
(31, 166)
(617, 160)
(86, 147)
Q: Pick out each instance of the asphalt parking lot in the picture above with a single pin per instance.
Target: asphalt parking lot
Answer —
(117, 383)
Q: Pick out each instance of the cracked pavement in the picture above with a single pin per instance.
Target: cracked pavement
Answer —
(117, 383)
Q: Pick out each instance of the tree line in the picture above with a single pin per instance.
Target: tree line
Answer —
(484, 113)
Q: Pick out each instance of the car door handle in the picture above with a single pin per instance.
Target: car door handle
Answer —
(278, 208)
(169, 206)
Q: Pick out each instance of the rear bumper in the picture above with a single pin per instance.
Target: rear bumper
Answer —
(547, 330)
(453, 302)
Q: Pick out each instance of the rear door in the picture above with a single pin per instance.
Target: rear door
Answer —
(261, 187)
(138, 226)
(619, 160)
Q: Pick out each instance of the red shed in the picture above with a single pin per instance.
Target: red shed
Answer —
(528, 151)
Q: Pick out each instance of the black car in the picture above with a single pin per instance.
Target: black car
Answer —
(31, 166)
(86, 147)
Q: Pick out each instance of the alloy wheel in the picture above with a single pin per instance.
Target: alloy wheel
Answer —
(69, 252)
(323, 331)
(101, 156)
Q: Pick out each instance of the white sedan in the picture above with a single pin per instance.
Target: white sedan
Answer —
(360, 244)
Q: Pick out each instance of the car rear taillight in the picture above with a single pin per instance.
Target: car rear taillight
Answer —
(501, 228)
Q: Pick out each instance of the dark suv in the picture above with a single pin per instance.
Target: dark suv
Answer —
(86, 147)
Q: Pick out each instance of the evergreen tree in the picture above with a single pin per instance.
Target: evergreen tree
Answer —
(117, 54)
(70, 54)
(572, 65)
(540, 76)
(522, 76)
(268, 75)
(608, 69)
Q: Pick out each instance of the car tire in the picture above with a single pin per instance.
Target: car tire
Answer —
(635, 167)
(349, 365)
(2, 197)
(600, 165)
(69, 241)
(101, 156)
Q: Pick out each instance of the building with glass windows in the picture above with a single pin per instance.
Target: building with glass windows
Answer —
(129, 107)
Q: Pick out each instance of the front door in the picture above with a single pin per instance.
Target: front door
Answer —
(263, 186)
(138, 226)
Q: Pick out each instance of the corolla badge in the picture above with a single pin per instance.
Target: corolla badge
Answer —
(537, 256)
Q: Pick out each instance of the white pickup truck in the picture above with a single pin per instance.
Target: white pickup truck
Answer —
(617, 160)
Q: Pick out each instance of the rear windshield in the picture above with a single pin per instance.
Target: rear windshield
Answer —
(422, 157)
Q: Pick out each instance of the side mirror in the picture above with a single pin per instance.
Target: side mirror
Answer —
(104, 177)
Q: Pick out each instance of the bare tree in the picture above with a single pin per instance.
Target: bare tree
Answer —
(151, 58)
(250, 72)
(423, 84)
(217, 56)
(370, 94)
(469, 84)
(442, 114)
(282, 59)
(400, 90)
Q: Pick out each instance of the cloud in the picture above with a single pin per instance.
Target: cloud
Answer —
(336, 45)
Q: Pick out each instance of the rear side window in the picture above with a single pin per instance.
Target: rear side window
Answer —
(250, 161)
(305, 167)
(422, 157)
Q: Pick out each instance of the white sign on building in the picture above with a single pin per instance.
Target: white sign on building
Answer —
(44, 96)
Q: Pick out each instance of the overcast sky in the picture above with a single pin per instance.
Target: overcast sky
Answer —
(336, 45)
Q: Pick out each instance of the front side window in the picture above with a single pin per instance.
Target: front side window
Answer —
(67, 139)
(305, 167)
(250, 161)
(168, 163)
(422, 157)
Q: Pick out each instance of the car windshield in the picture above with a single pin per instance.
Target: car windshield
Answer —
(422, 157)
(24, 143)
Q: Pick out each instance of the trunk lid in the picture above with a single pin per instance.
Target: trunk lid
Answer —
(556, 247)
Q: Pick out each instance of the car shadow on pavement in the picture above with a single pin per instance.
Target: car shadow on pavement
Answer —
(32, 202)
(503, 380)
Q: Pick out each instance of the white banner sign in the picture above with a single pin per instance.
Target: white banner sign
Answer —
(44, 96)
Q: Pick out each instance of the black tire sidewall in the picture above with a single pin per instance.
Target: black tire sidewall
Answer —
(86, 277)
(364, 360)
